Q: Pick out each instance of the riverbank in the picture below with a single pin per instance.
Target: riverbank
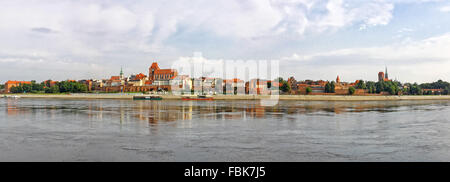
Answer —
(242, 97)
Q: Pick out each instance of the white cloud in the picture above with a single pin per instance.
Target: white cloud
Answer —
(434, 48)
(445, 9)
(109, 23)
(113, 32)
(423, 61)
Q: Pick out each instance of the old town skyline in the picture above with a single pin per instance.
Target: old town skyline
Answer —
(170, 81)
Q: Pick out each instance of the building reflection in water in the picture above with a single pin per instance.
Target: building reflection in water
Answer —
(154, 112)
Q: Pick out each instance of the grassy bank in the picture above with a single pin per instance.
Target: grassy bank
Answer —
(244, 97)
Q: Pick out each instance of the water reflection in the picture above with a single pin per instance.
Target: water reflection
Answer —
(153, 112)
(170, 130)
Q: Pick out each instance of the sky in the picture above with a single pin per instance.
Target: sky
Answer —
(312, 39)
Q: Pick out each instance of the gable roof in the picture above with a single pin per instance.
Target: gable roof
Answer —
(17, 82)
(155, 66)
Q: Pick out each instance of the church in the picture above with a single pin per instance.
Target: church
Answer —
(383, 76)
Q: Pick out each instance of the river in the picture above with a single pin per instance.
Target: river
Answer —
(172, 130)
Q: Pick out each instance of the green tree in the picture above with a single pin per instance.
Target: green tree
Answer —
(71, 87)
(392, 90)
(64, 86)
(328, 88)
(361, 85)
(27, 88)
(371, 86)
(52, 89)
(37, 87)
(379, 87)
(308, 90)
(285, 87)
(351, 90)
(16, 89)
(415, 89)
(435, 85)
(333, 85)
(47, 83)
(280, 79)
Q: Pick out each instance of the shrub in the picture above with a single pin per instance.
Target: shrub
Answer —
(308, 90)
(351, 90)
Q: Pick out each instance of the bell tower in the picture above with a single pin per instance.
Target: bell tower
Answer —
(386, 74)
(121, 73)
(151, 71)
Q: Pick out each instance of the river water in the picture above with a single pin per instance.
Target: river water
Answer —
(126, 130)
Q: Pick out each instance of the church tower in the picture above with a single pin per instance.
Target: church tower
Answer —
(121, 73)
(151, 71)
(386, 74)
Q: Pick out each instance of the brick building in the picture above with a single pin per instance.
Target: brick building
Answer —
(258, 86)
(158, 76)
(383, 76)
(137, 80)
(233, 86)
(9, 84)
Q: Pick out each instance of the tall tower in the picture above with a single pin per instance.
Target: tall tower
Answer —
(121, 73)
(381, 76)
(151, 71)
(386, 74)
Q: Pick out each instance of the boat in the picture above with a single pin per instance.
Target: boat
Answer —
(147, 97)
(11, 96)
(198, 97)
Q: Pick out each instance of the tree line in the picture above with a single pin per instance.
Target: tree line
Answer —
(391, 87)
(395, 87)
(45, 87)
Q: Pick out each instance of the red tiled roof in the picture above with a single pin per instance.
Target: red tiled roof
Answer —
(115, 78)
(234, 80)
(51, 82)
(140, 76)
(165, 71)
(17, 82)
(154, 66)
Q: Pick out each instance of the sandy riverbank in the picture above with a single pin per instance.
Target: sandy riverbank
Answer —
(242, 97)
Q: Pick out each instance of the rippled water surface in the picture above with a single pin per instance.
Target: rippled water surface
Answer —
(126, 130)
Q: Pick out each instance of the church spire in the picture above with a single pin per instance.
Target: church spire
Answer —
(386, 74)
(121, 73)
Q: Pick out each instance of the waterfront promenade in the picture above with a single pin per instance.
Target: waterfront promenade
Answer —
(241, 97)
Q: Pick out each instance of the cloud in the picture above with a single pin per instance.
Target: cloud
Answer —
(113, 24)
(434, 48)
(445, 9)
(43, 69)
(423, 60)
(42, 30)
(133, 33)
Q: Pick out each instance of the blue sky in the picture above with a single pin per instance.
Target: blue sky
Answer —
(313, 39)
